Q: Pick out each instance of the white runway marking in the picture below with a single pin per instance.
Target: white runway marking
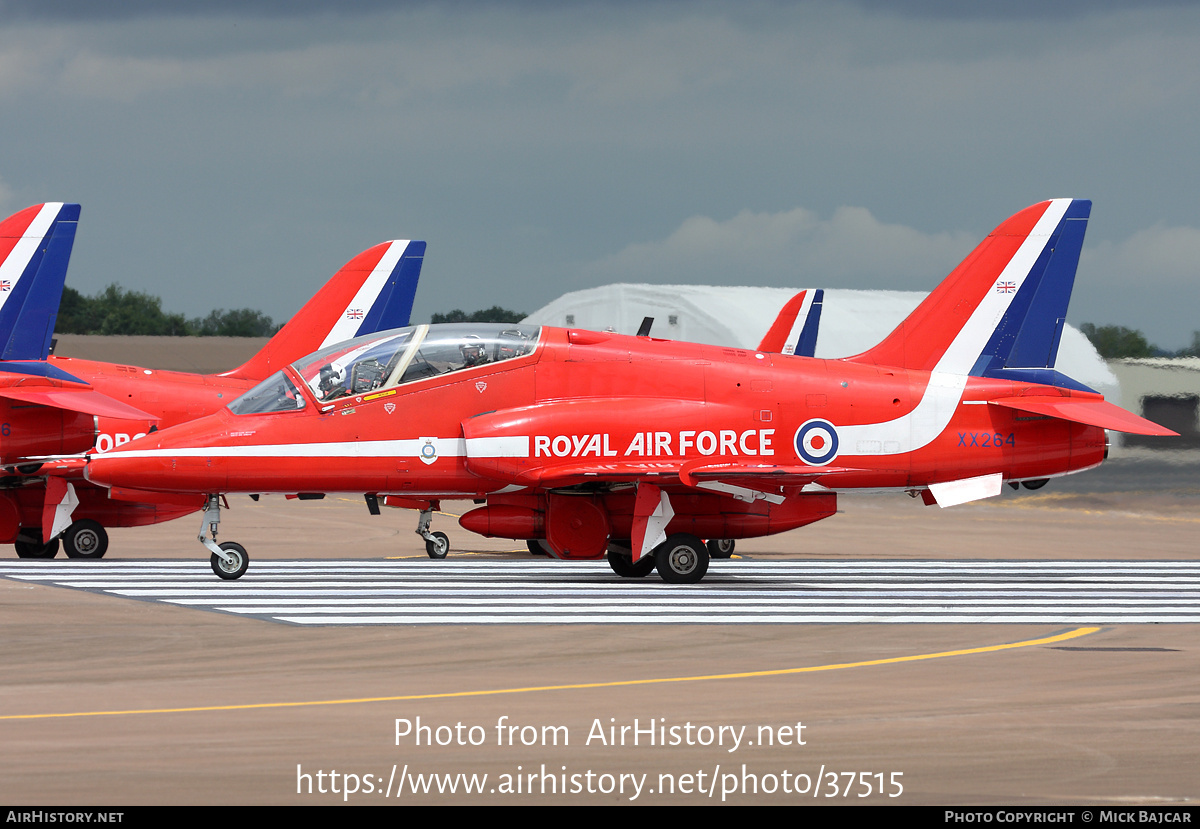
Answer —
(340, 592)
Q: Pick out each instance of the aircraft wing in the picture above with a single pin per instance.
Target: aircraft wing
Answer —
(86, 400)
(737, 479)
(1089, 411)
(40, 384)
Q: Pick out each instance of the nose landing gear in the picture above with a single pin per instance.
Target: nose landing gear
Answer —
(229, 560)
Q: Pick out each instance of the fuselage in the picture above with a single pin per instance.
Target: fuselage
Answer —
(582, 408)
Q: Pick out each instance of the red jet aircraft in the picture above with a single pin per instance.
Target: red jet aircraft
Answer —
(56, 405)
(638, 448)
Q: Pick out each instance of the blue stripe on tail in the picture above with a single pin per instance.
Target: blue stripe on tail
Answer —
(806, 345)
(27, 319)
(1025, 343)
(393, 306)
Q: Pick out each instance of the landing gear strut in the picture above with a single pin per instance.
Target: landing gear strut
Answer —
(437, 545)
(229, 560)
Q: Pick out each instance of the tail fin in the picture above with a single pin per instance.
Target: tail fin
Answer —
(1001, 312)
(794, 331)
(372, 292)
(35, 247)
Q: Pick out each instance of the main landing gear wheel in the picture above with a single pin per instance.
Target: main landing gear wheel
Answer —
(1038, 484)
(625, 567)
(537, 547)
(681, 559)
(230, 570)
(437, 545)
(720, 547)
(36, 549)
(85, 539)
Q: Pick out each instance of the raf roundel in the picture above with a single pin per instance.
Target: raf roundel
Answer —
(428, 451)
(817, 442)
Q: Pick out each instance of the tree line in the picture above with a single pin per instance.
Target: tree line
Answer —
(1115, 341)
(116, 311)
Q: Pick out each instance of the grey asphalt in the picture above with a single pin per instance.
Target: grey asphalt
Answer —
(112, 701)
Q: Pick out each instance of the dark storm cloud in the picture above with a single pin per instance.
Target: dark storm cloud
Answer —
(66, 10)
(1010, 10)
(237, 154)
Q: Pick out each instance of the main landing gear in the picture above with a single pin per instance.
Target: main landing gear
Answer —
(681, 559)
(85, 539)
(29, 544)
(720, 547)
(229, 560)
(620, 559)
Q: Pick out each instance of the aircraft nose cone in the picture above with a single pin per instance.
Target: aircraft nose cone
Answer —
(158, 471)
(114, 469)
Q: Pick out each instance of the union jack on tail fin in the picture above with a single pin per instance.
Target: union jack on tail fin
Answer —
(374, 291)
(794, 331)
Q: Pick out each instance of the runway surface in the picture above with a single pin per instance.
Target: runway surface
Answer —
(118, 699)
(733, 593)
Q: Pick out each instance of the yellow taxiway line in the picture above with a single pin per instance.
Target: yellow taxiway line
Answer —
(1028, 643)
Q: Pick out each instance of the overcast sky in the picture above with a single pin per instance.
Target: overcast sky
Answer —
(235, 155)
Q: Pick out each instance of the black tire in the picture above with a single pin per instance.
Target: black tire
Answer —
(85, 539)
(626, 568)
(537, 547)
(226, 571)
(720, 547)
(681, 559)
(1038, 484)
(30, 549)
(438, 546)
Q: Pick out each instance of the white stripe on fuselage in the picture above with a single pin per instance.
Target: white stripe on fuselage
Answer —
(347, 329)
(932, 415)
(18, 258)
(497, 447)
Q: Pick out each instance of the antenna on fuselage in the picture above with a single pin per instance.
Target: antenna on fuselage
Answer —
(644, 330)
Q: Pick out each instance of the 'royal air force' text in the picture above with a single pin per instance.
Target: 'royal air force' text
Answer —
(725, 443)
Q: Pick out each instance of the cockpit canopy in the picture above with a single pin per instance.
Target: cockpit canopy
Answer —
(387, 359)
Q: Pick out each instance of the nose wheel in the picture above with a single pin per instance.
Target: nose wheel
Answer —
(437, 545)
(229, 559)
(234, 564)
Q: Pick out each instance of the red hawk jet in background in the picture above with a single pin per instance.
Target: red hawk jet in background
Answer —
(637, 448)
(56, 405)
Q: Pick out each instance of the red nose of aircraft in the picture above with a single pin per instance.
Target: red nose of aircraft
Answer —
(171, 460)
